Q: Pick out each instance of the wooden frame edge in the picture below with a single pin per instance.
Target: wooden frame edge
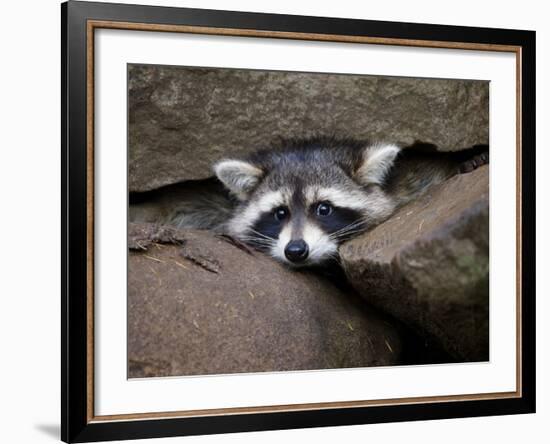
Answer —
(285, 408)
(235, 32)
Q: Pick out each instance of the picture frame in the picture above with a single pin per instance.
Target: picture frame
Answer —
(80, 21)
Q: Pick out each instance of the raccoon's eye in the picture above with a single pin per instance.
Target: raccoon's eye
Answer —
(324, 209)
(280, 213)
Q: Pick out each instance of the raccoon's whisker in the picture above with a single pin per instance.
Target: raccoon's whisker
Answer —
(265, 239)
(254, 242)
(260, 244)
(334, 256)
(346, 236)
(252, 230)
(348, 229)
(361, 221)
(353, 227)
(258, 240)
(331, 255)
(348, 232)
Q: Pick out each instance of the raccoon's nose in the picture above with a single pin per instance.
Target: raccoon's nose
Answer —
(296, 251)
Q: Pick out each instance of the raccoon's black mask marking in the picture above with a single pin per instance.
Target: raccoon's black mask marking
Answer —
(266, 227)
(269, 226)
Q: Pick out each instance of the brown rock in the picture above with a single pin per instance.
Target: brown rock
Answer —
(206, 306)
(428, 265)
(181, 120)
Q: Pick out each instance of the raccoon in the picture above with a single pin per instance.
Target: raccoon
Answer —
(299, 201)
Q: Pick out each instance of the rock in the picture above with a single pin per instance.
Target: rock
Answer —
(199, 304)
(181, 120)
(428, 265)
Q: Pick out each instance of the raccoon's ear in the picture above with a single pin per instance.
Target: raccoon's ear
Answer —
(375, 163)
(240, 177)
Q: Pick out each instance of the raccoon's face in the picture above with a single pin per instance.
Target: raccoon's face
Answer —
(300, 205)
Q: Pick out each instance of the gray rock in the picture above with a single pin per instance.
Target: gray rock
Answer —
(428, 265)
(199, 304)
(181, 120)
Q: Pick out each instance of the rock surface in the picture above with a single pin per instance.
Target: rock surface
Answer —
(181, 120)
(428, 265)
(200, 304)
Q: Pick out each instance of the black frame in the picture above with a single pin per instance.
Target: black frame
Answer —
(75, 426)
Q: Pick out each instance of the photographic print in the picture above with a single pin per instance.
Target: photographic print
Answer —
(284, 221)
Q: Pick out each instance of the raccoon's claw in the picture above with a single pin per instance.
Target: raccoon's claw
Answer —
(475, 162)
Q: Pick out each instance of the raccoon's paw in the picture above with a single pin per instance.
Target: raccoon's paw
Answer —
(475, 162)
